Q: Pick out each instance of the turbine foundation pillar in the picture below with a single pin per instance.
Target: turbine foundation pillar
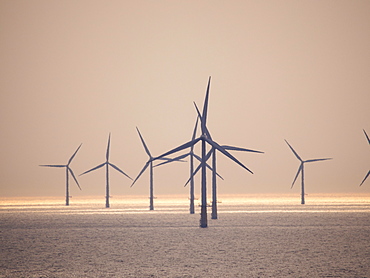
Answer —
(203, 217)
(214, 211)
(192, 207)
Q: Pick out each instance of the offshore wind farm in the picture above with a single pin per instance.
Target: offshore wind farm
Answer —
(77, 71)
(240, 212)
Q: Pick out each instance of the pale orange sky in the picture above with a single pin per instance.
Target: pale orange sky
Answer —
(73, 71)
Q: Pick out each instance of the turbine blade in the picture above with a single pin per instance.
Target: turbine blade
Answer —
(193, 174)
(73, 175)
(226, 153)
(208, 155)
(163, 163)
(108, 147)
(179, 148)
(210, 168)
(368, 173)
(119, 170)
(203, 126)
(164, 158)
(368, 139)
(300, 159)
(143, 142)
(97, 167)
(319, 159)
(231, 148)
(178, 159)
(58, 166)
(219, 176)
(205, 104)
(142, 171)
(195, 129)
(200, 117)
(296, 176)
(197, 157)
(197, 170)
(70, 160)
(194, 134)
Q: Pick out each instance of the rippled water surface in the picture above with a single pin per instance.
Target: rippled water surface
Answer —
(254, 236)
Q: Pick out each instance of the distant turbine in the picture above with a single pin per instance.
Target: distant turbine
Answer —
(149, 164)
(301, 170)
(68, 170)
(205, 139)
(107, 164)
(368, 173)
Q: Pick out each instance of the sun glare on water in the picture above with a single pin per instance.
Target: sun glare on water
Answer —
(250, 203)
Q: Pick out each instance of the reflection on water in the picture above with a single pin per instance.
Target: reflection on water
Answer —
(251, 203)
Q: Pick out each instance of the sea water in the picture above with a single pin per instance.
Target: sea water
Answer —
(254, 236)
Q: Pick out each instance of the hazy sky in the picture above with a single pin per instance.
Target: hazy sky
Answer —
(73, 71)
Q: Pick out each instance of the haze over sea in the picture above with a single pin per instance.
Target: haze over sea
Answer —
(255, 236)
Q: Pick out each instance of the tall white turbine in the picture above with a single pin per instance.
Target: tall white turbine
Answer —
(107, 164)
(301, 170)
(368, 173)
(204, 139)
(68, 170)
(149, 164)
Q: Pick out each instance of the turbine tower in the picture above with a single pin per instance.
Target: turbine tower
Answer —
(301, 170)
(68, 171)
(368, 173)
(191, 168)
(205, 139)
(149, 164)
(107, 164)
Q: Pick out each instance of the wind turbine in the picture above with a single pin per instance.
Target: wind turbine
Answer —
(192, 155)
(212, 153)
(204, 138)
(149, 164)
(107, 164)
(368, 173)
(301, 170)
(68, 170)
